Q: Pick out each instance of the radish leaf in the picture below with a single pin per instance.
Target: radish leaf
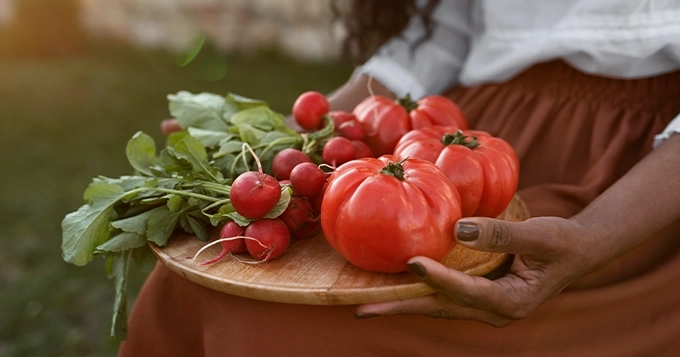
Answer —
(205, 110)
(122, 242)
(141, 153)
(161, 224)
(88, 227)
(119, 273)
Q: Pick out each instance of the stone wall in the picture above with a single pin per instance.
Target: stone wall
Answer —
(300, 28)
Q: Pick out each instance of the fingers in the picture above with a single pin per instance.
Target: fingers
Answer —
(170, 126)
(461, 296)
(534, 237)
(434, 305)
(508, 297)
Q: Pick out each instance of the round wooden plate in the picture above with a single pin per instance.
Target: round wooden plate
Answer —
(312, 273)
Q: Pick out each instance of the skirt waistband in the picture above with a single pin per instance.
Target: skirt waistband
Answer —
(642, 94)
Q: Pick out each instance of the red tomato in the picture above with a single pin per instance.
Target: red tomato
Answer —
(309, 109)
(484, 169)
(378, 213)
(434, 110)
(385, 121)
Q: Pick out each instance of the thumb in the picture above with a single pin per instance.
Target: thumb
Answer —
(493, 235)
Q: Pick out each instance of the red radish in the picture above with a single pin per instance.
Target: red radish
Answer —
(337, 151)
(169, 126)
(317, 200)
(307, 179)
(339, 117)
(231, 241)
(270, 238)
(300, 217)
(361, 149)
(309, 109)
(254, 193)
(352, 130)
(285, 161)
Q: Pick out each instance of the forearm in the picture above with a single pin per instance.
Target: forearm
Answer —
(354, 91)
(641, 204)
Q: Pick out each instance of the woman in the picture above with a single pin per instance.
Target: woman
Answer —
(583, 90)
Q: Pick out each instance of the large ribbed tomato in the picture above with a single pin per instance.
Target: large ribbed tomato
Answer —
(385, 120)
(433, 110)
(484, 169)
(378, 213)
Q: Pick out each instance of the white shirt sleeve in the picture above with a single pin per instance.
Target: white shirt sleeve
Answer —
(672, 128)
(435, 64)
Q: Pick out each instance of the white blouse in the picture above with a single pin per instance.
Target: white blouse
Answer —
(492, 40)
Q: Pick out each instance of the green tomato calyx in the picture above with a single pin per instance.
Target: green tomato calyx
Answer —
(408, 103)
(458, 138)
(395, 169)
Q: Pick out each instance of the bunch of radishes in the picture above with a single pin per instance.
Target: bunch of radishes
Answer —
(309, 111)
(254, 194)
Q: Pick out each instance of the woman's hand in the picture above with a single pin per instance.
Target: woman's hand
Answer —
(550, 254)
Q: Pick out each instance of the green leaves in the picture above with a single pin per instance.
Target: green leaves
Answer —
(263, 119)
(183, 187)
(194, 153)
(209, 138)
(119, 267)
(205, 110)
(88, 227)
(122, 242)
(161, 224)
(141, 153)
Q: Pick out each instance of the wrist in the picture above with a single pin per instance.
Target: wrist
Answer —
(358, 88)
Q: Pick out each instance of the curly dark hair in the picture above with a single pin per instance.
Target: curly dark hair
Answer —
(369, 23)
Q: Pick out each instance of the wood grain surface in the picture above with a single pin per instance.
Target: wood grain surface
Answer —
(312, 273)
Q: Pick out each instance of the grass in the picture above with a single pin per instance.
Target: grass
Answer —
(66, 119)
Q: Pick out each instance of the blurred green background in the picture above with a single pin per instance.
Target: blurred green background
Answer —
(69, 102)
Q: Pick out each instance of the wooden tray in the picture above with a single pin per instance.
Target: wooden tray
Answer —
(312, 273)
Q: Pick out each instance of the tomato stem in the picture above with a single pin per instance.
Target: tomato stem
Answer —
(408, 103)
(395, 169)
(458, 138)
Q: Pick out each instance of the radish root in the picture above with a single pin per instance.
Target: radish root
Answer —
(224, 253)
(252, 152)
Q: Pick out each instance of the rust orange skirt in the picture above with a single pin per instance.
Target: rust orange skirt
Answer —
(575, 135)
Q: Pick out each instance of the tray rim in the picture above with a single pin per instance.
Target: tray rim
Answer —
(328, 295)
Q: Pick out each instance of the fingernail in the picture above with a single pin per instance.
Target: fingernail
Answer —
(467, 231)
(364, 316)
(417, 269)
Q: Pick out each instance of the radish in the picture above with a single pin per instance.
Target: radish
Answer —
(307, 179)
(231, 241)
(317, 200)
(300, 217)
(285, 161)
(337, 151)
(361, 149)
(309, 109)
(254, 193)
(339, 117)
(352, 130)
(268, 238)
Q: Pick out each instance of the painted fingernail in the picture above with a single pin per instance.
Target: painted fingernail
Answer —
(417, 269)
(364, 316)
(467, 231)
